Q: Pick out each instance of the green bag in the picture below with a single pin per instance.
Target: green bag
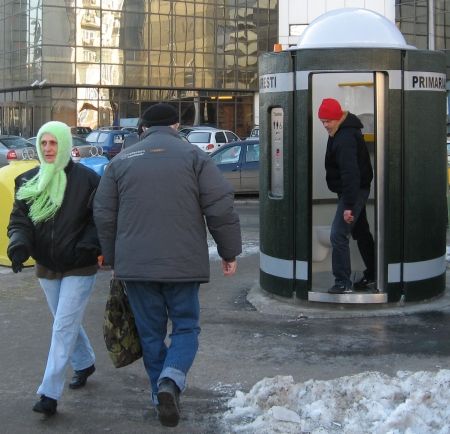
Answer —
(119, 329)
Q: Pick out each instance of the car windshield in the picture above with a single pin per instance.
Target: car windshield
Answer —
(102, 137)
(199, 137)
(92, 137)
(15, 142)
(77, 141)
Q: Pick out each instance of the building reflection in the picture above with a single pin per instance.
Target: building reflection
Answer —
(105, 61)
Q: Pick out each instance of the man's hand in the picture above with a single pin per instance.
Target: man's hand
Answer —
(229, 267)
(348, 216)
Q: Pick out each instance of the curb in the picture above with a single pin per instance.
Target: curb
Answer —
(272, 304)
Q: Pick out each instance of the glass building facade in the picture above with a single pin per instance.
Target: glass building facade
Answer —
(102, 62)
(425, 24)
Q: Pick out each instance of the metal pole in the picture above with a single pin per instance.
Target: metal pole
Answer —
(431, 41)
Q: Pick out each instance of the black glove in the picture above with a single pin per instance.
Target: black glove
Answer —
(17, 267)
(18, 256)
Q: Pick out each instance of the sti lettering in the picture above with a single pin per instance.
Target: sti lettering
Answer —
(268, 82)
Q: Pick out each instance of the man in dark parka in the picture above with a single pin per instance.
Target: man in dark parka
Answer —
(349, 174)
(152, 207)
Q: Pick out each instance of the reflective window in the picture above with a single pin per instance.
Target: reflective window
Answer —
(412, 18)
(159, 50)
(231, 137)
(220, 138)
(252, 153)
(228, 156)
(199, 137)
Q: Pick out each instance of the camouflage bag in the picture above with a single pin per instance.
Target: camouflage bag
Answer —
(119, 329)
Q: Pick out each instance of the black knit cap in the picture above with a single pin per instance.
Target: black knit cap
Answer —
(161, 114)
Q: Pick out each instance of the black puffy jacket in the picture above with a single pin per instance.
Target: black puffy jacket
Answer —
(347, 161)
(68, 240)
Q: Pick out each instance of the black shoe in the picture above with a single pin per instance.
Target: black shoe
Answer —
(80, 377)
(365, 284)
(168, 408)
(340, 288)
(46, 405)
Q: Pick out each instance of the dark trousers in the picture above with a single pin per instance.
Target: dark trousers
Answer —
(359, 230)
(366, 246)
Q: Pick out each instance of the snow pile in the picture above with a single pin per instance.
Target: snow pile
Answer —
(370, 402)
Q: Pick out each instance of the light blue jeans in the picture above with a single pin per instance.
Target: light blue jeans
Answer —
(153, 303)
(67, 299)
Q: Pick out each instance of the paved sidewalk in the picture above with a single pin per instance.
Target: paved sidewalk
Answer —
(240, 344)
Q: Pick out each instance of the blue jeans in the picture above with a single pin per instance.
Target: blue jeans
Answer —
(67, 299)
(153, 303)
(340, 235)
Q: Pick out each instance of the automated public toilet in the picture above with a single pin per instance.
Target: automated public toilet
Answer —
(360, 58)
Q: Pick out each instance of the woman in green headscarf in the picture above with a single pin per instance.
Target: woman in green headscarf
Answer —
(52, 221)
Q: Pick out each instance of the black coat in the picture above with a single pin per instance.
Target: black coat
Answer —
(347, 161)
(68, 240)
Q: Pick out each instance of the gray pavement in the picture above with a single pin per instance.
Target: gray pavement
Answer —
(246, 335)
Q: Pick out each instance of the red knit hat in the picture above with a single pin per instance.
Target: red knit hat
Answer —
(330, 109)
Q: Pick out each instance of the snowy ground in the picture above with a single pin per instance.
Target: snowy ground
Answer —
(250, 246)
(367, 403)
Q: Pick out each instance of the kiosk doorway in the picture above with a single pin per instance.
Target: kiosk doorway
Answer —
(359, 94)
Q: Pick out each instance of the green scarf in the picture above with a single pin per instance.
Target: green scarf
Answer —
(45, 191)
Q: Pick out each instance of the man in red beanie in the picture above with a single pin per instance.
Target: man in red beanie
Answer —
(349, 174)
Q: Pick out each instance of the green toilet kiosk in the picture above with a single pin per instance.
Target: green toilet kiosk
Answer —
(361, 59)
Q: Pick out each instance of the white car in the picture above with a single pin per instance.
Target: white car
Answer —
(207, 138)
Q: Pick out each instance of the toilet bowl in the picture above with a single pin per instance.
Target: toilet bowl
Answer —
(321, 244)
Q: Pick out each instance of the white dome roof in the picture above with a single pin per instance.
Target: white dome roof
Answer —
(352, 27)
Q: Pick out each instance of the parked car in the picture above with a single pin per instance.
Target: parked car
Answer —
(96, 163)
(15, 148)
(110, 141)
(80, 131)
(110, 127)
(207, 138)
(77, 141)
(448, 151)
(80, 148)
(83, 149)
(254, 133)
(239, 163)
(130, 129)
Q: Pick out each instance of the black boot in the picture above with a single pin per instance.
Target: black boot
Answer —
(366, 283)
(168, 408)
(80, 377)
(46, 405)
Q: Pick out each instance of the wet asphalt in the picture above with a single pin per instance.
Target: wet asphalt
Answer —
(240, 343)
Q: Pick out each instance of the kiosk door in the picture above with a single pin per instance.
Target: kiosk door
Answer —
(362, 94)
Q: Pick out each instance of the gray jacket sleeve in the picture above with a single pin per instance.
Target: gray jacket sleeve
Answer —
(217, 202)
(105, 214)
